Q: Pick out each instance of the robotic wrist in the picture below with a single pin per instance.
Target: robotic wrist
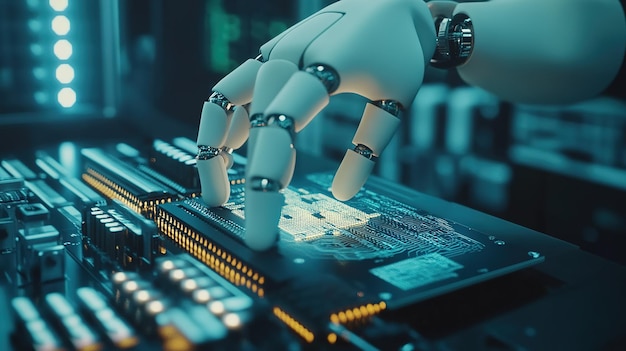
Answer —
(455, 40)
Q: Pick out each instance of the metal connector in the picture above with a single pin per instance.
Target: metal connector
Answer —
(455, 41)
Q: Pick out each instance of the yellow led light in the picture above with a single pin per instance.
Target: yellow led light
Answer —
(350, 315)
(364, 311)
(294, 325)
(332, 338)
(127, 342)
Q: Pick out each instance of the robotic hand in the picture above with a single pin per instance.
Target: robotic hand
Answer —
(536, 51)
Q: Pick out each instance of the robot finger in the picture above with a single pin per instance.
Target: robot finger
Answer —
(269, 81)
(237, 134)
(274, 156)
(234, 89)
(377, 127)
(272, 163)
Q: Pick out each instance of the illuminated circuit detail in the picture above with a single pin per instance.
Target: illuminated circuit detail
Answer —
(308, 216)
(358, 314)
(368, 227)
(294, 325)
(211, 254)
(115, 191)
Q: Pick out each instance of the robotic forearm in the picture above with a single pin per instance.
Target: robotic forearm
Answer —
(533, 51)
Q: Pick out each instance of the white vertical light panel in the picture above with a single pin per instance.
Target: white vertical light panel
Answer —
(63, 50)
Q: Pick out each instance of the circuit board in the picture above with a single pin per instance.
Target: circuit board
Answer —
(147, 260)
(384, 248)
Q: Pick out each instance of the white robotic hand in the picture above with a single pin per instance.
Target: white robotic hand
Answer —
(377, 49)
(529, 51)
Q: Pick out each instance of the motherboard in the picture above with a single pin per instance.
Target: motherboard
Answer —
(118, 251)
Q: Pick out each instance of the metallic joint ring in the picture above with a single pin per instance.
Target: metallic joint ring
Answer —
(264, 184)
(365, 152)
(326, 74)
(220, 100)
(207, 152)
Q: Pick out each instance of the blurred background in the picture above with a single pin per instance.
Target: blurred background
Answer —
(111, 69)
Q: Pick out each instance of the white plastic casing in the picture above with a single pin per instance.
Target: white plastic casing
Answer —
(213, 125)
(376, 129)
(271, 78)
(238, 85)
(213, 181)
(378, 48)
(442, 8)
(239, 128)
(302, 98)
(351, 175)
(273, 154)
(262, 217)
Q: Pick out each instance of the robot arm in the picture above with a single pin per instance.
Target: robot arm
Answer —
(533, 51)
(522, 50)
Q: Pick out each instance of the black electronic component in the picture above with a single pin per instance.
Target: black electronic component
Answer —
(39, 255)
(12, 193)
(116, 237)
(176, 163)
(8, 231)
(118, 180)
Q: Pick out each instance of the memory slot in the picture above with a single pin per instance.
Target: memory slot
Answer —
(118, 180)
(174, 223)
(175, 163)
(176, 160)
